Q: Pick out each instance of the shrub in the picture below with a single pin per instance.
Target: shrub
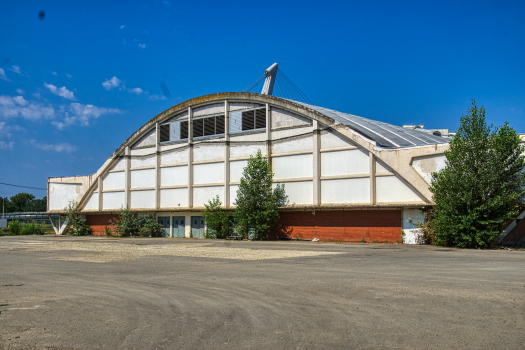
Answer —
(32, 229)
(14, 227)
(150, 227)
(425, 233)
(216, 219)
(76, 221)
(107, 231)
(127, 224)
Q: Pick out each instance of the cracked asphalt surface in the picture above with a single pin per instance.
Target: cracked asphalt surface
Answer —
(103, 293)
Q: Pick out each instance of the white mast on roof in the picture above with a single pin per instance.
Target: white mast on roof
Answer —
(270, 73)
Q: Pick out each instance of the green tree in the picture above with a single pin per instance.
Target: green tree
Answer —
(150, 226)
(127, 224)
(76, 221)
(256, 201)
(216, 219)
(482, 184)
(20, 201)
(38, 205)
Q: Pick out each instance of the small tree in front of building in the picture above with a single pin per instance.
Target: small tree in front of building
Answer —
(256, 213)
(482, 184)
(76, 222)
(127, 224)
(216, 219)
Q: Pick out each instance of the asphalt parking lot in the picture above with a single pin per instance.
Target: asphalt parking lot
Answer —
(86, 293)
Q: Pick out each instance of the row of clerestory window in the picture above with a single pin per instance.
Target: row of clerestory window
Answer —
(214, 125)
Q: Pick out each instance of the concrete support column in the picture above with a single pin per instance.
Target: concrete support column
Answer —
(157, 169)
(187, 227)
(372, 159)
(190, 158)
(100, 194)
(316, 163)
(226, 154)
(127, 179)
(171, 226)
(269, 134)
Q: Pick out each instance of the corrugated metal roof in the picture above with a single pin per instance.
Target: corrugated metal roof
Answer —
(384, 134)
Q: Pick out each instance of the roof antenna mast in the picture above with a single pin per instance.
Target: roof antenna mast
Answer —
(271, 74)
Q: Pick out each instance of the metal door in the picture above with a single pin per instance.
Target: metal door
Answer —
(165, 222)
(197, 226)
(179, 229)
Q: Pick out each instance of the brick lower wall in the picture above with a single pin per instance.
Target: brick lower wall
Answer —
(343, 226)
(99, 221)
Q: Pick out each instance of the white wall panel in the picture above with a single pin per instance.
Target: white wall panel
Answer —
(143, 178)
(345, 191)
(293, 145)
(61, 194)
(241, 105)
(282, 134)
(382, 167)
(210, 109)
(202, 195)
(236, 170)
(142, 199)
(208, 152)
(121, 165)
(92, 203)
(299, 192)
(174, 176)
(114, 181)
(113, 200)
(149, 140)
(208, 173)
(391, 189)
(289, 167)
(174, 157)
(246, 150)
(354, 161)
(331, 140)
(233, 194)
(282, 118)
(142, 161)
(174, 198)
(180, 116)
(425, 166)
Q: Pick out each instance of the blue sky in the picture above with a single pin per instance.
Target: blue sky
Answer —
(75, 84)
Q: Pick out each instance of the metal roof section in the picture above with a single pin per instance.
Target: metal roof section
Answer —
(384, 134)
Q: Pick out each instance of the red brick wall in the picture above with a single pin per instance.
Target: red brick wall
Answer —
(99, 221)
(343, 226)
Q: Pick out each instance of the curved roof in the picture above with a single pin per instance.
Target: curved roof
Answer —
(386, 135)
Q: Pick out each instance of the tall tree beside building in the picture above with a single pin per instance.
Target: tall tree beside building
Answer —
(257, 202)
(482, 184)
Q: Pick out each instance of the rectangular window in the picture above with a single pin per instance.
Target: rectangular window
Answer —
(219, 124)
(198, 127)
(209, 126)
(164, 132)
(254, 119)
(184, 130)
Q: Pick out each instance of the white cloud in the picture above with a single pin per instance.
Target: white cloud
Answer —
(111, 83)
(20, 91)
(7, 145)
(136, 90)
(59, 147)
(157, 97)
(62, 92)
(78, 113)
(142, 46)
(12, 107)
(122, 27)
(69, 76)
(16, 69)
(55, 73)
(3, 76)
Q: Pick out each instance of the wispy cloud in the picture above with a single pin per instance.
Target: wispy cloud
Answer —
(157, 97)
(3, 76)
(58, 147)
(20, 91)
(136, 90)
(62, 92)
(55, 73)
(16, 69)
(78, 113)
(111, 83)
(7, 145)
(69, 76)
(142, 46)
(122, 27)
(17, 106)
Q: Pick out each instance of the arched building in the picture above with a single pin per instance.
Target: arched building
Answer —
(348, 178)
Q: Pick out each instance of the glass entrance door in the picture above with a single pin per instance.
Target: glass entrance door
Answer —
(165, 222)
(197, 226)
(179, 229)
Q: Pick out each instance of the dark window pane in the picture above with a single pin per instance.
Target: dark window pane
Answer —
(219, 124)
(247, 120)
(184, 130)
(209, 126)
(164, 133)
(198, 127)
(260, 118)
